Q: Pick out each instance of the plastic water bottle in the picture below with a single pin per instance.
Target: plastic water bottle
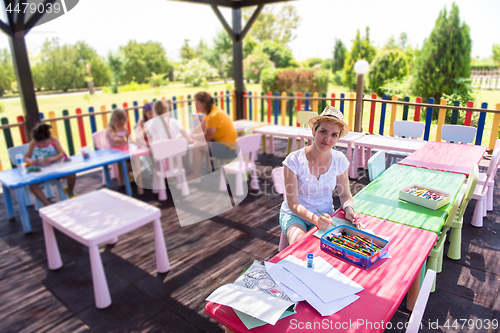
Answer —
(20, 164)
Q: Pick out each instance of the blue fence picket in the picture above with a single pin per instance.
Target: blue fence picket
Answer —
(428, 119)
(480, 124)
(382, 115)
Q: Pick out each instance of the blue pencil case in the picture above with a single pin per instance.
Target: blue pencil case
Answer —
(356, 258)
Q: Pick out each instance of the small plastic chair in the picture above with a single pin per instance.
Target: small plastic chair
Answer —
(49, 193)
(435, 260)
(454, 250)
(169, 154)
(481, 192)
(376, 165)
(492, 167)
(248, 147)
(458, 133)
(423, 296)
(101, 141)
(405, 129)
(279, 186)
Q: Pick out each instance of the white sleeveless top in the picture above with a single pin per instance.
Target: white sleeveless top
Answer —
(313, 193)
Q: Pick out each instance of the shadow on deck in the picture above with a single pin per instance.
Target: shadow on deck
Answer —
(203, 256)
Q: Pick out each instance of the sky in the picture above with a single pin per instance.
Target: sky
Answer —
(107, 24)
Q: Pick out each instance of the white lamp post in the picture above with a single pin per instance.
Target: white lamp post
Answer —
(361, 68)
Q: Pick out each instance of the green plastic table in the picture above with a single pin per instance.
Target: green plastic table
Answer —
(380, 198)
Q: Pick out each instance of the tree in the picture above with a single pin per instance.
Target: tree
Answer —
(390, 64)
(196, 72)
(254, 64)
(278, 27)
(403, 40)
(59, 66)
(339, 55)
(220, 56)
(116, 64)
(100, 73)
(7, 75)
(496, 54)
(361, 49)
(142, 59)
(443, 64)
(187, 53)
(278, 53)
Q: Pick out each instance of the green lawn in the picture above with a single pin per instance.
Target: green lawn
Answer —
(72, 102)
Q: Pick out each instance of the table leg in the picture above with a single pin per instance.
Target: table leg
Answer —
(354, 164)
(128, 189)
(294, 144)
(107, 177)
(119, 176)
(411, 298)
(25, 220)
(302, 143)
(8, 202)
(137, 166)
(101, 291)
(162, 264)
(53, 255)
(264, 147)
(271, 144)
(366, 157)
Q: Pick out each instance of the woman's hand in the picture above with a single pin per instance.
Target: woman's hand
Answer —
(351, 216)
(324, 222)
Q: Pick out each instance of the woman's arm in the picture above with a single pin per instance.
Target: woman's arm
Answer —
(292, 196)
(185, 135)
(344, 190)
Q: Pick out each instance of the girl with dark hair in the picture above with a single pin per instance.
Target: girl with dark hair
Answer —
(45, 149)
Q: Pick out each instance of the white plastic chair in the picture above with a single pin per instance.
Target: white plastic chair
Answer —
(423, 296)
(171, 152)
(101, 141)
(481, 192)
(279, 186)
(492, 167)
(458, 133)
(405, 129)
(49, 193)
(248, 147)
(376, 165)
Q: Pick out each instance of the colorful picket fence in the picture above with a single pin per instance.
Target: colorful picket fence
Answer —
(268, 107)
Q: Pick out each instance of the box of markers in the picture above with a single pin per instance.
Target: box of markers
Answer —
(424, 196)
(354, 245)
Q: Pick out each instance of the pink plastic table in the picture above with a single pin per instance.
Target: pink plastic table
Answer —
(98, 217)
(445, 156)
(382, 143)
(348, 139)
(385, 283)
(289, 132)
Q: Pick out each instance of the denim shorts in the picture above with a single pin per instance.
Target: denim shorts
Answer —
(221, 151)
(286, 220)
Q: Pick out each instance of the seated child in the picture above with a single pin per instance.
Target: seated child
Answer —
(45, 149)
(117, 132)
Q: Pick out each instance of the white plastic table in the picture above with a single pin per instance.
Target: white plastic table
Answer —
(348, 139)
(382, 143)
(98, 217)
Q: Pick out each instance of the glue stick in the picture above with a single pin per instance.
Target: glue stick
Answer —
(310, 258)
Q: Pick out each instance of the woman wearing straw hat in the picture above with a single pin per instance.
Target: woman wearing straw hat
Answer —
(311, 175)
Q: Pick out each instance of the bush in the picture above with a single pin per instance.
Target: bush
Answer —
(268, 80)
(295, 80)
(196, 72)
(399, 87)
(254, 64)
(336, 78)
(2, 108)
(389, 65)
(132, 86)
(321, 80)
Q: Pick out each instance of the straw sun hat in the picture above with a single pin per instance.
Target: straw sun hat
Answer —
(331, 113)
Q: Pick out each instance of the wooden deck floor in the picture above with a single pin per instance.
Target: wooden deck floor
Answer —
(203, 256)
